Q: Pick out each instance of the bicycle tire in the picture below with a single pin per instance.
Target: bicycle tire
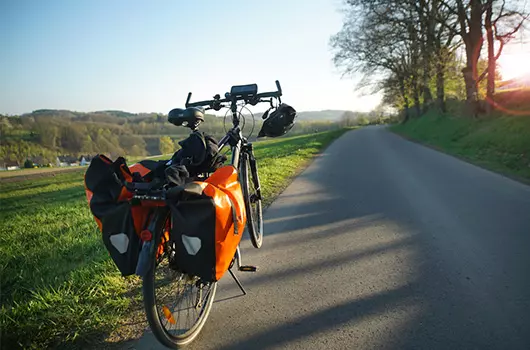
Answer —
(252, 197)
(156, 313)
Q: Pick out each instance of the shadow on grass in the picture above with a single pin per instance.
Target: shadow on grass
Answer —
(26, 204)
(38, 185)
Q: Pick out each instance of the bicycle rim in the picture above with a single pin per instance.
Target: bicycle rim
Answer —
(252, 204)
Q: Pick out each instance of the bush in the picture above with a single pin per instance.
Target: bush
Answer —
(28, 164)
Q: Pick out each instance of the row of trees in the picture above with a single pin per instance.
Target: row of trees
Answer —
(415, 48)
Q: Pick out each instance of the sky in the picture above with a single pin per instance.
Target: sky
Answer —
(145, 56)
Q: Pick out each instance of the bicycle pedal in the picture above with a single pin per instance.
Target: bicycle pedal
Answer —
(248, 268)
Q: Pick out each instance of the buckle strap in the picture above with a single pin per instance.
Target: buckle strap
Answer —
(234, 215)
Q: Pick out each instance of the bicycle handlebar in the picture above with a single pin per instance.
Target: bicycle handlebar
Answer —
(216, 102)
(205, 103)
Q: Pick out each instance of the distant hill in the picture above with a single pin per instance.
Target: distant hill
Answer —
(332, 115)
(44, 134)
(54, 113)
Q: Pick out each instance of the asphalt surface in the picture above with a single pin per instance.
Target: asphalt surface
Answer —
(383, 244)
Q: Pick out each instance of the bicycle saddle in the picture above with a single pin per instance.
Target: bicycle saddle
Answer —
(190, 117)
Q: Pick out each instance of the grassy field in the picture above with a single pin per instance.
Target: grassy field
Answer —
(58, 284)
(500, 143)
(36, 172)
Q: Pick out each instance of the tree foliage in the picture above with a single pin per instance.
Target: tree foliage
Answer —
(410, 48)
(166, 145)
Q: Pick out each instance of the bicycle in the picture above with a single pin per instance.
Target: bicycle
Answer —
(159, 279)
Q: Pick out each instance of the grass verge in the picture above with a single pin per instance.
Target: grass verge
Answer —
(500, 144)
(58, 284)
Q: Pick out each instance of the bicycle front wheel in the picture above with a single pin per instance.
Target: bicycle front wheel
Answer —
(176, 305)
(252, 196)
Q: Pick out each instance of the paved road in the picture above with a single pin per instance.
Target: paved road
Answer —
(384, 244)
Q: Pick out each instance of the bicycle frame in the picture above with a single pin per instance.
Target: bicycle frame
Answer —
(234, 138)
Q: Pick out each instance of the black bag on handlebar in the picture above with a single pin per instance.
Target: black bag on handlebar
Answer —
(279, 122)
(199, 153)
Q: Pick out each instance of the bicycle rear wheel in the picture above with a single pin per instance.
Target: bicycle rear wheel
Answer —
(176, 305)
(252, 196)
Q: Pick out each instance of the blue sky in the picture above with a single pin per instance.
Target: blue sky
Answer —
(144, 56)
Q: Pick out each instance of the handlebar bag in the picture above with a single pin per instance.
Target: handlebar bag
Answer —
(207, 227)
(119, 222)
(279, 122)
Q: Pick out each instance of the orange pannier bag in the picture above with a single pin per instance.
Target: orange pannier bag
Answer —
(119, 221)
(207, 228)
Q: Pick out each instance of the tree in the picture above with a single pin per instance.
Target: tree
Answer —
(48, 135)
(133, 144)
(165, 145)
(348, 118)
(136, 150)
(407, 47)
(501, 29)
(380, 40)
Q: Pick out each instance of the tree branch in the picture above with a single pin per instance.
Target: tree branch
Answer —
(500, 11)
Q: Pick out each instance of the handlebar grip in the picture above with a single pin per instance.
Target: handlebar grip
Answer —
(278, 86)
(188, 99)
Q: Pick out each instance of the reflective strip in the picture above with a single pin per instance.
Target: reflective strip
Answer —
(120, 241)
(192, 244)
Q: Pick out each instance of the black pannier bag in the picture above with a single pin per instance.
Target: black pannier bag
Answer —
(193, 252)
(199, 153)
(119, 221)
(208, 223)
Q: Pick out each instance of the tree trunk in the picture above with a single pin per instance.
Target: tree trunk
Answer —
(471, 90)
(405, 100)
(427, 95)
(427, 28)
(440, 84)
(472, 37)
(416, 96)
(491, 55)
(426, 74)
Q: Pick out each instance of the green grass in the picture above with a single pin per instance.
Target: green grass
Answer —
(58, 284)
(501, 144)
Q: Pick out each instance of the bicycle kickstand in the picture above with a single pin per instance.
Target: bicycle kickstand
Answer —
(237, 281)
(240, 267)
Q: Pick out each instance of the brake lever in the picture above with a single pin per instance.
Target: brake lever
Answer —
(217, 106)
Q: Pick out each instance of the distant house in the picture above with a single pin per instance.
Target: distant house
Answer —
(85, 160)
(67, 161)
(10, 165)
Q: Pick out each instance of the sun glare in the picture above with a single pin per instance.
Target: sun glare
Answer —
(514, 65)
